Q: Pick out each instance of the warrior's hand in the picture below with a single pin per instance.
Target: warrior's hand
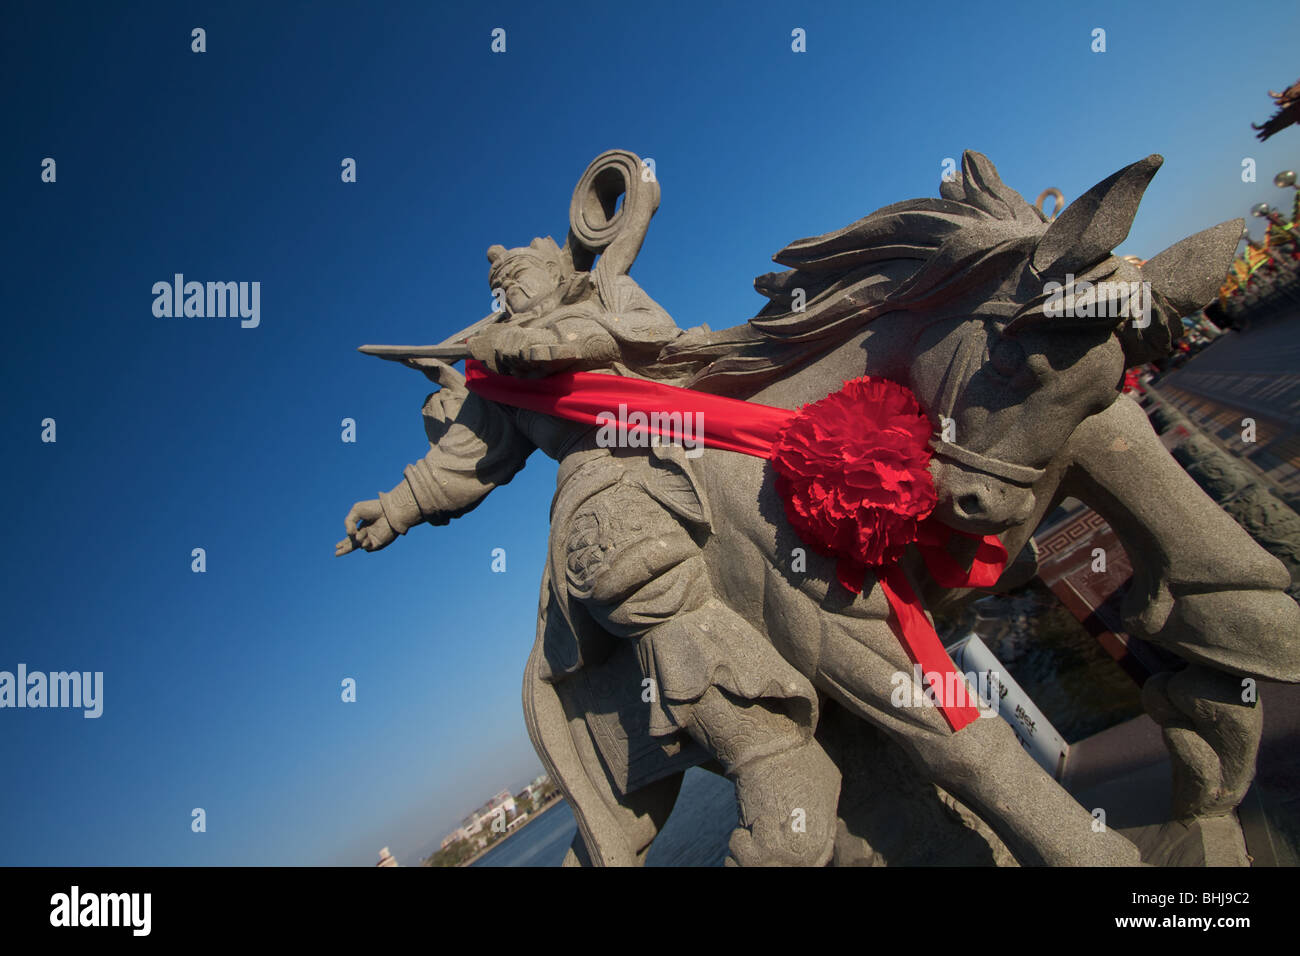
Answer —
(440, 373)
(515, 351)
(374, 534)
(442, 407)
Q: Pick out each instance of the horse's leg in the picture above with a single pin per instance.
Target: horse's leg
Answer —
(983, 765)
(1213, 738)
(1203, 589)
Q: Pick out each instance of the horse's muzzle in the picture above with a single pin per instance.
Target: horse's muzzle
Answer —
(976, 502)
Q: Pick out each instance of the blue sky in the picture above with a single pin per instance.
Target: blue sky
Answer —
(222, 689)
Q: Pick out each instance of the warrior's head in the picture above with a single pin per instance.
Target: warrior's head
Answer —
(528, 274)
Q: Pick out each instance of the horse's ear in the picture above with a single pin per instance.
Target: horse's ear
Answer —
(983, 188)
(1095, 223)
(1190, 272)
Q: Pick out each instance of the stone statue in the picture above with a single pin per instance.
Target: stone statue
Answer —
(624, 560)
(675, 627)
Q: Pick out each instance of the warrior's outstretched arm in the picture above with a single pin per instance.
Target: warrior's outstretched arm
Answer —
(474, 446)
(480, 450)
(627, 327)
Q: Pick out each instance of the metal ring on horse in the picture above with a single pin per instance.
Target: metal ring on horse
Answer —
(595, 217)
(1056, 209)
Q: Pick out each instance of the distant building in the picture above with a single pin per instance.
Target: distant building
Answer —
(502, 801)
(386, 858)
(501, 805)
(454, 836)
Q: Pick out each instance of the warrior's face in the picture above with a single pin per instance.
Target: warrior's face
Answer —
(525, 278)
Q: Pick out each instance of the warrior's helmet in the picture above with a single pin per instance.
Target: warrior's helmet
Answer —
(540, 253)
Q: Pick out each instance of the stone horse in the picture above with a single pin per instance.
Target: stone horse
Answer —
(954, 298)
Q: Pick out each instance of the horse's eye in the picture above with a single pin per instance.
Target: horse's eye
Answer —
(1008, 357)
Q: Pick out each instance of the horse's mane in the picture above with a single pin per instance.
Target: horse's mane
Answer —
(977, 244)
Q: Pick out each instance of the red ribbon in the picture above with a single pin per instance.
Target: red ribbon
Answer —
(750, 428)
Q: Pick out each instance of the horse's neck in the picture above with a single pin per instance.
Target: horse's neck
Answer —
(874, 351)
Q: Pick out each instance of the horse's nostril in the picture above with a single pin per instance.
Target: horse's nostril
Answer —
(970, 504)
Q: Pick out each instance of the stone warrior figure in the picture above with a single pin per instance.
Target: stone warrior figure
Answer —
(624, 558)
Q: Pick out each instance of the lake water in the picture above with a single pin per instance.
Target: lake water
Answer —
(696, 833)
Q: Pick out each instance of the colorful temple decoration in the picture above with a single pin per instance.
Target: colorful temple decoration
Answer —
(1279, 249)
(1280, 235)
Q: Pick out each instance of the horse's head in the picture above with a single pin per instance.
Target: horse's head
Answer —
(1003, 404)
(1009, 329)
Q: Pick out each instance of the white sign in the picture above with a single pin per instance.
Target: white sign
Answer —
(1035, 732)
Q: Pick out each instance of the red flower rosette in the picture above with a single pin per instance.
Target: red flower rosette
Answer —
(853, 473)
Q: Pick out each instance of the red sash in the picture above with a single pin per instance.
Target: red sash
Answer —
(750, 428)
